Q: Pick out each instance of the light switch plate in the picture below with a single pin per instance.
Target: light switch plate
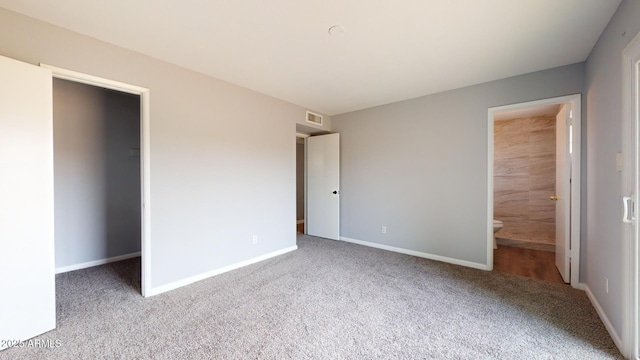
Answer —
(619, 162)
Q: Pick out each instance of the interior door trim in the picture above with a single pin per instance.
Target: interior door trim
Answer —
(145, 156)
(576, 104)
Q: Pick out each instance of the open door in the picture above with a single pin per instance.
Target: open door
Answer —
(322, 217)
(630, 189)
(27, 263)
(563, 193)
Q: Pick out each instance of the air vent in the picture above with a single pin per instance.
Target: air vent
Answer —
(314, 118)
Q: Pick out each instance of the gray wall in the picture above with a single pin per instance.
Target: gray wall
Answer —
(97, 178)
(419, 167)
(299, 181)
(602, 241)
(222, 156)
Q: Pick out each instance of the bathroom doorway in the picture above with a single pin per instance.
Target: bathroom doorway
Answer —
(534, 189)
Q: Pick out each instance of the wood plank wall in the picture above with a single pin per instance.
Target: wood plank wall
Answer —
(524, 178)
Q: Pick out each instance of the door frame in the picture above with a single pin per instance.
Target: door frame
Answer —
(631, 188)
(145, 157)
(575, 101)
(303, 136)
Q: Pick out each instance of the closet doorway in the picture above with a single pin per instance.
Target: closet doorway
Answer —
(101, 173)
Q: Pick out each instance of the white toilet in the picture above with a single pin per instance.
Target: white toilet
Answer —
(497, 225)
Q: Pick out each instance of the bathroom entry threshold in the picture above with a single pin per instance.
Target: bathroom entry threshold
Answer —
(535, 245)
(530, 263)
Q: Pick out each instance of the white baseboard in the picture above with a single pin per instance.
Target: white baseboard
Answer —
(300, 221)
(180, 283)
(88, 264)
(417, 253)
(582, 286)
(605, 320)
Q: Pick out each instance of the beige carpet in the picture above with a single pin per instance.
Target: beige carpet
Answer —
(327, 300)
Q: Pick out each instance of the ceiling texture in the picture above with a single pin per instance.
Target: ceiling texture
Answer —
(384, 51)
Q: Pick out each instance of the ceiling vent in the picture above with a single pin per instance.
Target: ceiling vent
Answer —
(314, 118)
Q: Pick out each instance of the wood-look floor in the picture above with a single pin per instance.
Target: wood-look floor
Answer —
(531, 263)
(535, 264)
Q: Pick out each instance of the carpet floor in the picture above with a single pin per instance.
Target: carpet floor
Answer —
(326, 300)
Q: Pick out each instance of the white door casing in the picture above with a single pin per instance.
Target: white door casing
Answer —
(322, 209)
(575, 102)
(27, 257)
(630, 336)
(145, 160)
(563, 194)
(635, 244)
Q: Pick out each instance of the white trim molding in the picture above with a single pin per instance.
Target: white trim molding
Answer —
(75, 76)
(188, 281)
(88, 264)
(416, 253)
(631, 189)
(582, 286)
(603, 316)
(145, 156)
(576, 106)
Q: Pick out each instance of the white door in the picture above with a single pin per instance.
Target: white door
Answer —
(630, 191)
(27, 268)
(563, 194)
(322, 217)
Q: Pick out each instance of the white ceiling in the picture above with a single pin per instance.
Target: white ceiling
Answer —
(389, 51)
